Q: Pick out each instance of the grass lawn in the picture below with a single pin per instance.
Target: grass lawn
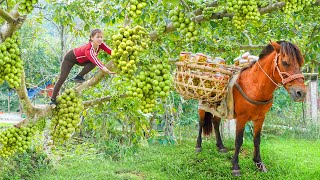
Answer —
(285, 159)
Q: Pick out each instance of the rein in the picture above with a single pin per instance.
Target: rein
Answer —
(250, 100)
(273, 73)
(283, 81)
(289, 78)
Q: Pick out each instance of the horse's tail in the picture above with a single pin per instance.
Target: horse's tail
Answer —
(207, 124)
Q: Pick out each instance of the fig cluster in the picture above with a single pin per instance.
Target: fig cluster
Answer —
(135, 8)
(66, 116)
(26, 6)
(153, 81)
(128, 44)
(182, 22)
(14, 140)
(296, 5)
(11, 65)
(244, 10)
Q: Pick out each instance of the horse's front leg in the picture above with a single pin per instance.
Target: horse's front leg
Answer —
(256, 140)
(240, 124)
(202, 114)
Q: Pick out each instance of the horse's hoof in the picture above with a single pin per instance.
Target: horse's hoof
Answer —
(236, 173)
(223, 150)
(198, 150)
(261, 167)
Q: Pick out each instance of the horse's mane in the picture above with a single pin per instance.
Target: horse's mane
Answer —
(291, 50)
(266, 50)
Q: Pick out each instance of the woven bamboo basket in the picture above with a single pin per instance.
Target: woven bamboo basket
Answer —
(202, 81)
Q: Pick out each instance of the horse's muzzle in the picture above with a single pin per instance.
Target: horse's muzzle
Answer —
(298, 94)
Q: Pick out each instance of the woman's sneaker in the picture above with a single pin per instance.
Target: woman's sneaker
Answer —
(79, 79)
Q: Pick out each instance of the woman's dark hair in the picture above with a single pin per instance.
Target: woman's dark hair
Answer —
(94, 32)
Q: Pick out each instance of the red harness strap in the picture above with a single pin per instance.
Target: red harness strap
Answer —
(290, 77)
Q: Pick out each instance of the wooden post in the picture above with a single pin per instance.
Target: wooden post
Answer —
(228, 129)
(312, 98)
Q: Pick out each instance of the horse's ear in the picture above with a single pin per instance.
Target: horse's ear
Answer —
(275, 46)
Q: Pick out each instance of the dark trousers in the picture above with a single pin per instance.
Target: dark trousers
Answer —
(68, 62)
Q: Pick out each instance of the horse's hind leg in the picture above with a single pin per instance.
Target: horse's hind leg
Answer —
(219, 143)
(256, 140)
(202, 114)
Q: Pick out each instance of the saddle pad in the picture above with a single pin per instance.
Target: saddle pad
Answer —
(224, 109)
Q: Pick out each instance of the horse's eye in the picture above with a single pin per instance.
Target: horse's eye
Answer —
(285, 63)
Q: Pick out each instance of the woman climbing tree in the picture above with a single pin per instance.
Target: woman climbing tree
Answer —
(85, 55)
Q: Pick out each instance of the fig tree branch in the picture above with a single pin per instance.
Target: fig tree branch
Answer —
(95, 79)
(99, 101)
(33, 113)
(185, 5)
(272, 7)
(13, 22)
(23, 97)
(220, 15)
(241, 47)
(211, 4)
(6, 16)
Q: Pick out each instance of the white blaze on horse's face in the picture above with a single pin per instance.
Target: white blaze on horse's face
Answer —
(292, 78)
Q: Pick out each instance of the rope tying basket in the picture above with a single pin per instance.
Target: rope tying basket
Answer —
(202, 80)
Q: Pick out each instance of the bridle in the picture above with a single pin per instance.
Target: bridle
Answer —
(283, 81)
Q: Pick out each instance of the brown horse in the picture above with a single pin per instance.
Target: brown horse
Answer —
(279, 64)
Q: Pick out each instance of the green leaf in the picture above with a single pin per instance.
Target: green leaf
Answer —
(213, 24)
(87, 27)
(105, 19)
